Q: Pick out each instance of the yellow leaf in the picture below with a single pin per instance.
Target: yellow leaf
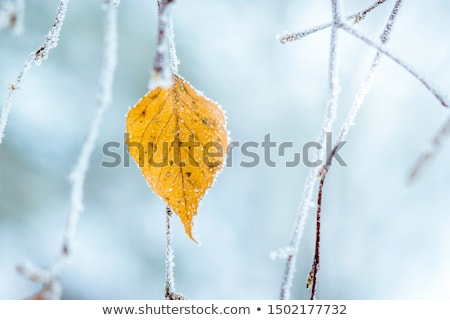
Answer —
(178, 138)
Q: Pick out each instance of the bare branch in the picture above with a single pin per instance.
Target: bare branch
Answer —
(349, 121)
(311, 180)
(312, 279)
(51, 287)
(381, 48)
(356, 17)
(78, 174)
(432, 150)
(366, 84)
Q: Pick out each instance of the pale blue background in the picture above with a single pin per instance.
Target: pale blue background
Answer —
(381, 239)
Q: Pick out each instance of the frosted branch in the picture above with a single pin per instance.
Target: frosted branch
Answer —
(51, 287)
(356, 17)
(169, 287)
(349, 121)
(366, 84)
(174, 61)
(78, 174)
(311, 180)
(381, 48)
(52, 37)
(36, 57)
(312, 279)
(161, 68)
(432, 150)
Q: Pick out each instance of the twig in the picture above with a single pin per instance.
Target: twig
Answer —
(365, 86)
(311, 180)
(431, 152)
(169, 287)
(357, 17)
(312, 281)
(381, 48)
(161, 69)
(174, 61)
(51, 287)
(349, 121)
(78, 174)
(36, 57)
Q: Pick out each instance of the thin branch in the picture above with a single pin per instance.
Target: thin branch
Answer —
(312, 281)
(161, 67)
(435, 146)
(51, 287)
(365, 86)
(381, 48)
(356, 17)
(174, 61)
(349, 121)
(169, 287)
(311, 180)
(36, 57)
(78, 174)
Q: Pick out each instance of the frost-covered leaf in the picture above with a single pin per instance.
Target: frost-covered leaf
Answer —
(178, 138)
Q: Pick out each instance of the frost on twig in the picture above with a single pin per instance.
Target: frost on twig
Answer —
(312, 278)
(281, 253)
(356, 17)
(364, 88)
(51, 287)
(311, 180)
(162, 67)
(166, 64)
(349, 121)
(434, 147)
(36, 57)
(77, 177)
(170, 292)
(78, 174)
(381, 48)
(174, 61)
(12, 16)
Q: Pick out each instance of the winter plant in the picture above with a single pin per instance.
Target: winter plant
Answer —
(174, 114)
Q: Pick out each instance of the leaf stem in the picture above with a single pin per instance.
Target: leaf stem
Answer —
(169, 287)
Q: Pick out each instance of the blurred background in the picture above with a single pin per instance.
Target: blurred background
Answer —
(381, 238)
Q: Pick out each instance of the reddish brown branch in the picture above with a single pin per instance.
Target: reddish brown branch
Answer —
(315, 267)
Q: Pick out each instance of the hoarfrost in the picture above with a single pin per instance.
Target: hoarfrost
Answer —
(38, 56)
